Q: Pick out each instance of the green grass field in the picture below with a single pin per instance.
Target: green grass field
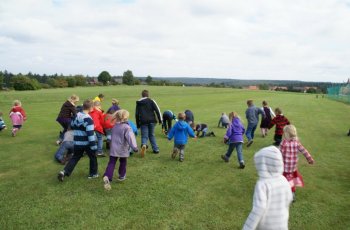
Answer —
(203, 192)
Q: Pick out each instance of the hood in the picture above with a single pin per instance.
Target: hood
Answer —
(181, 125)
(236, 123)
(268, 162)
(142, 101)
(79, 120)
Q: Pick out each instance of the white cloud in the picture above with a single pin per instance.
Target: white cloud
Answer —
(304, 40)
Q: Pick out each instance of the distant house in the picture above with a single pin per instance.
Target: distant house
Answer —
(92, 80)
(279, 88)
(117, 79)
(253, 87)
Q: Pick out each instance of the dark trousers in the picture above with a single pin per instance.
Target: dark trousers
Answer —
(111, 166)
(278, 139)
(65, 123)
(167, 124)
(78, 153)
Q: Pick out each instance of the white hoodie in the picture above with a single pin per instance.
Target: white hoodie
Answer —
(272, 195)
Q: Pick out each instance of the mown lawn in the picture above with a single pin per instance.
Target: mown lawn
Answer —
(203, 192)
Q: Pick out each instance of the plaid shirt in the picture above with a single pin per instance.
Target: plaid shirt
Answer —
(290, 150)
(280, 121)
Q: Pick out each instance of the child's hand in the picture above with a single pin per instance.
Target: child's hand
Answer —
(311, 161)
(225, 141)
(195, 138)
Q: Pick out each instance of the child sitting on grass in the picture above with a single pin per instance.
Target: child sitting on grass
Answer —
(290, 147)
(65, 150)
(2, 123)
(234, 137)
(272, 195)
(18, 116)
(180, 132)
(122, 139)
(280, 121)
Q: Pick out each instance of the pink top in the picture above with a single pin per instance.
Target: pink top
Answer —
(16, 118)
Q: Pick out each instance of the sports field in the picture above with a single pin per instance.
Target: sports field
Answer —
(203, 192)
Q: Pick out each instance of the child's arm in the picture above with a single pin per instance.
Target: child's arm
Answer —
(272, 123)
(171, 133)
(306, 154)
(90, 133)
(259, 207)
(130, 138)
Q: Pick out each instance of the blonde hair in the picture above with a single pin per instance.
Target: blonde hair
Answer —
(181, 116)
(97, 103)
(122, 115)
(74, 98)
(290, 132)
(232, 115)
(115, 101)
(17, 103)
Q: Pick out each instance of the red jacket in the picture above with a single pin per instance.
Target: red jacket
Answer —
(108, 122)
(97, 117)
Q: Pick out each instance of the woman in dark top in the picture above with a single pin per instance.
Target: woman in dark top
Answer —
(67, 112)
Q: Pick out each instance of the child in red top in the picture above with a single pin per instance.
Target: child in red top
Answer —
(109, 122)
(280, 121)
(290, 147)
(97, 116)
(18, 116)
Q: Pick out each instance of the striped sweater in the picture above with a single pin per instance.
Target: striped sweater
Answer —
(83, 127)
(272, 195)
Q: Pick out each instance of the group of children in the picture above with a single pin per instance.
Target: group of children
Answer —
(276, 165)
(18, 117)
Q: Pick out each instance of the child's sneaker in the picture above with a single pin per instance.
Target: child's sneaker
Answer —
(249, 143)
(224, 158)
(107, 184)
(93, 176)
(101, 154)
(143, 150)
(122, 178)
(181, 159)
(175, 152)
(241, 165)
(60, 176)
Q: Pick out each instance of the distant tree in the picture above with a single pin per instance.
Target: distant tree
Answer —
(264, 87)
(71, 81)
(128, 78)
(25, 83)
(104, 77)
(80, 80)
(1, 79)
(149, 80)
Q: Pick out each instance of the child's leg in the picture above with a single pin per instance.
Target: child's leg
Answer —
(239, 149)
(93, 161)
(122, 167)
(99, 142)
(110, 167)
(61, 151)
(68, 169)
(230, 149)
(182, 152)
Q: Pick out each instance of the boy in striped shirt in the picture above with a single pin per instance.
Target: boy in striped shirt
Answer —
(84, 141)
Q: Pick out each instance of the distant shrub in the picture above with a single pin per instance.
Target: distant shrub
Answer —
(25, 83)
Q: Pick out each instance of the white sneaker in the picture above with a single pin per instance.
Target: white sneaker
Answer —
(107, 184)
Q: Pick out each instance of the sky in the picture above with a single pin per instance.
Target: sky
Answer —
(241, 39)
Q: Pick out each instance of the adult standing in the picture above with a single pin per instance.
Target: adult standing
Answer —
(146, 114)
(252, 115)
(67, 112)
(265, 122)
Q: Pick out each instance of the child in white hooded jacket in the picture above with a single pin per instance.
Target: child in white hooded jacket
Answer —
(272, 194)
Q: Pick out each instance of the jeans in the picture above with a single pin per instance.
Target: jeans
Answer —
(99, 137)
(204, 132)
(238, 146)
(65, 146)
(78, 153)
(147, 132)
(181, 149)
(111, 166)
(250, 131)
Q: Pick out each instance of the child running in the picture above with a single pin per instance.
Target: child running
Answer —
(98, 118)
(234, 137)
(18, 116)
(272, 195)
(180, 132)
(122, 139)
(290, 147)
(280, 121)
(84, 141)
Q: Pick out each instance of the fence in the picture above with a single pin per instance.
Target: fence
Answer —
(339, 93)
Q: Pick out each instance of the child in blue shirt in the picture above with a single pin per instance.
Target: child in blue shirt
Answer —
(2, 123)
(180, 132)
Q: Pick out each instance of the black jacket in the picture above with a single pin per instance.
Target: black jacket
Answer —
(146, 112)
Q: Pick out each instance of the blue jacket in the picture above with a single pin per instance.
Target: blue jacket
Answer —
(133, 127)
(252, 114)
(180, 132)
(235, 132)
